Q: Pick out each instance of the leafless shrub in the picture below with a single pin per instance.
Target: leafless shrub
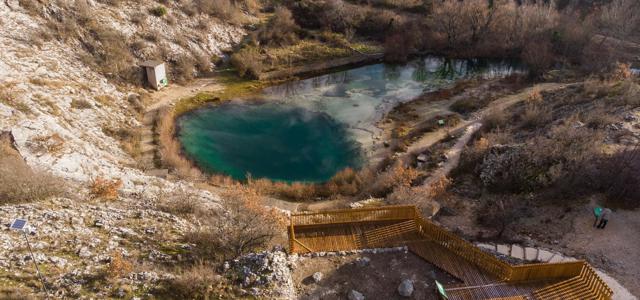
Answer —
(495, 118)
(538, 55)
(224, 9)
(248, 62)
(138, 18)
(180, 202)
(598, 117)
(397, 175)
(183, 69)
(618, 176)
(33, 7)
(245, 226)
(280, 30)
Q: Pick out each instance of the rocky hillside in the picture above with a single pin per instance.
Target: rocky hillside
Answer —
(67, 114)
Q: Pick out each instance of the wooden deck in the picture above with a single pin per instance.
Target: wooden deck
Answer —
(483, 275)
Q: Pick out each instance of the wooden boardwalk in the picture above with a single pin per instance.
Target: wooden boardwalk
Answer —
(483, 275)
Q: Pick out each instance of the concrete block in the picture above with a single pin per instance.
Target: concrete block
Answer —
(557, 258)
(504, 249)
(517, 252)
(530, 253)
(487, 246)
(544, 255)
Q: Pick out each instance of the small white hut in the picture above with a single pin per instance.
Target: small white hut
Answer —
(156, 74)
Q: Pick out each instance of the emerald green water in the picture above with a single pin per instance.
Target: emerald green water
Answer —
(268, 140)
(309, 129)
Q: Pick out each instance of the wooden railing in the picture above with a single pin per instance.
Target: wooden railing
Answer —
(579, 276)
(388, 213)
(545, 271)
(468, 251)
(586, 285)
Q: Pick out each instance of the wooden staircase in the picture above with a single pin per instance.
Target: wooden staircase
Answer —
(483, 275)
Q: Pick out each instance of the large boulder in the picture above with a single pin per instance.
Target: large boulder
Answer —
(405, 288)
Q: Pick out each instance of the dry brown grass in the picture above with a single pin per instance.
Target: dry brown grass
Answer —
(535, 115)
(199, 281)
(105, 189)
(8, 97)
(170, 148)
(426, 198)
(119, 266)
(105, 100)
(81, 104)
(20, 183)
(180, 202)
(295, 191)
(52, 144)
(398, 175)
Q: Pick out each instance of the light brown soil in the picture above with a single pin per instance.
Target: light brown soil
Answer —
(172, 93)
(615, 249)
(378, 280)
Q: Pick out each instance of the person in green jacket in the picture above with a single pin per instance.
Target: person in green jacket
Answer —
(597, 211)
(604, 218)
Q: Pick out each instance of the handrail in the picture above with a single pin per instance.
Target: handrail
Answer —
(546, 271)
(354, 215)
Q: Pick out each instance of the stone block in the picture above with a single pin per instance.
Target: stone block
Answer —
(530, 253)
(544, 255)
(504, 249)
(517, 252)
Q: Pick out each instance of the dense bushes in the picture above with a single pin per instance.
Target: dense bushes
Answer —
(552, 145)
(280, 30)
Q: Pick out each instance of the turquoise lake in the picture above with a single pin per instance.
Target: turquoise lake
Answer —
(307, 130)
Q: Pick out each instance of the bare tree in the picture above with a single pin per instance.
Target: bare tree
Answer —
(619, 19)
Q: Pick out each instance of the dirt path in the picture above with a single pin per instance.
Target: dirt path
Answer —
(169, 95)
(470, 127)
(432, 138)
(453, 154)
(615, 249)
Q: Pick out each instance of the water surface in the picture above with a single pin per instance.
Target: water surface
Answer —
(309, 129)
